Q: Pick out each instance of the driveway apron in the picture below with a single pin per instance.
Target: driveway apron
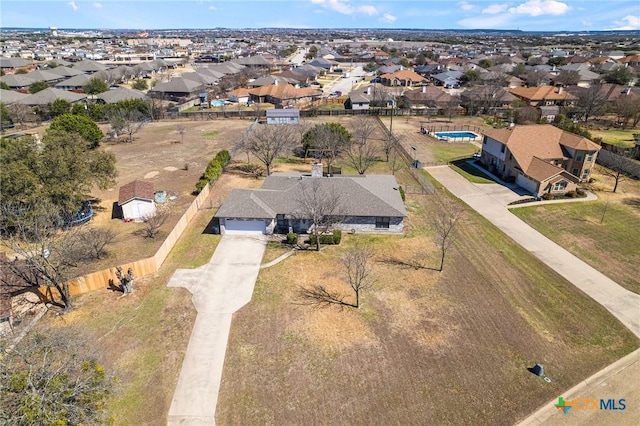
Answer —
(219, 288)
(622, 303)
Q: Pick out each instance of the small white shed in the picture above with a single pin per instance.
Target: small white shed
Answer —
(136, 200)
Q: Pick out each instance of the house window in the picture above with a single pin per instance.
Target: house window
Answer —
(589, 157)
(502, 148)
(575, 172)
(560, 186)
(585, 173)
(383, 222)
(579, 156)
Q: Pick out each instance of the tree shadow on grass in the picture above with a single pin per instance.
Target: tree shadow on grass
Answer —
(632, 202)
(413, 264)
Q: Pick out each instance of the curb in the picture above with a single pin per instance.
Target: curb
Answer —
(549, 409)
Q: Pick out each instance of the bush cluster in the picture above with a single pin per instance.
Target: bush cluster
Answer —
(333, 238)
(292, 238)
(547, 196)
(213, 170)
(402, 194)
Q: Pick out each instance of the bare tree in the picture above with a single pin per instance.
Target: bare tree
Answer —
(268, 141)
(568, 77)
(20, 112)
(127, 122)
(91, 242)
(591, 101)
(181, 129)
(395, 162)
(389, 144)
(362, 153)
(43, 254)
(445, 220)
(359, 273)
(615, 164)
(451, 107)
(319, 202)
(628, 110)
(358, 269)
(536, 78)
(153, 222)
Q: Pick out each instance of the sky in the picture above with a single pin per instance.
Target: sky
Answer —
(526, 15)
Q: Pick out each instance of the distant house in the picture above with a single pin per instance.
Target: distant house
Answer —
(240, 95)
(406, 78)
(448, 79)
(137, 201)
(283, 116)
(428, 97)
(539, 158)
(544, 96)
(369, 203)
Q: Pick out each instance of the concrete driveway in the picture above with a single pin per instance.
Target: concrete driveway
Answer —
(219, 288)
(490, 202)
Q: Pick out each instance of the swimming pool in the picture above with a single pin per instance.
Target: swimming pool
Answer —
(456, 135)
(217, 103)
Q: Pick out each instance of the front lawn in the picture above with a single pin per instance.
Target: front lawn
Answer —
(605, 235)
(471, 173)
(421, 343)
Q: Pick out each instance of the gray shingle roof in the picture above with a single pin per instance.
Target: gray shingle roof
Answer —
(49, 95)
(121, 94)
(370, 195)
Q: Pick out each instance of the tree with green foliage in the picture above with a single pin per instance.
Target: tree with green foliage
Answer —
(81, 125)
(563, 122)
(140, 84)
(95, 86)
(4, 86)
(312, 53)
(54, 379)
(38, 86)
(59, 107)
(60, 171)
(370, 67)
(326, 141)
(557, 61)
(470, 76)
(6, 120)
(518, 70)
(619, 75)
(485, 63)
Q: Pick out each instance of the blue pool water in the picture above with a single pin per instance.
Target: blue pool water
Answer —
(217, 103)
(456, 135)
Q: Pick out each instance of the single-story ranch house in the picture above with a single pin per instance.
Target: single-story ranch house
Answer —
(370, 203)
(539, 158)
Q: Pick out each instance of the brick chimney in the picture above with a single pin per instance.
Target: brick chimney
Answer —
(316, 170)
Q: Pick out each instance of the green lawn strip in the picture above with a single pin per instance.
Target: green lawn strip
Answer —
(471, 173)
(444, 152)
(612, 246)
(623, 138)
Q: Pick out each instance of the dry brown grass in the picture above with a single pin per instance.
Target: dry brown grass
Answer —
(425, 347)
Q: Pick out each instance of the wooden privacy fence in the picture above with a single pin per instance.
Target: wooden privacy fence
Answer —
(150, 265)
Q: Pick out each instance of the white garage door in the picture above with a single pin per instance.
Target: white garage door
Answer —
(238, 226)
(526, 183)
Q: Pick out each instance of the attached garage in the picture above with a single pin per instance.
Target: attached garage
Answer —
(527, 183)
(244, 226)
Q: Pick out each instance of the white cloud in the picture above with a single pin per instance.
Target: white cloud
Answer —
(213, 8)
(493, 9)
(73, 5)
(387, 17)
(629, 22)
(345, 8)
(541, 7)
(97, 5)
(466, 6)
(368, 10)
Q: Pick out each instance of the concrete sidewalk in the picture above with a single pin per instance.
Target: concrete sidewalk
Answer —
(219, 288)
(622, 303)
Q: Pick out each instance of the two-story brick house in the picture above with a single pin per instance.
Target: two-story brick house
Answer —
(539, 158)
